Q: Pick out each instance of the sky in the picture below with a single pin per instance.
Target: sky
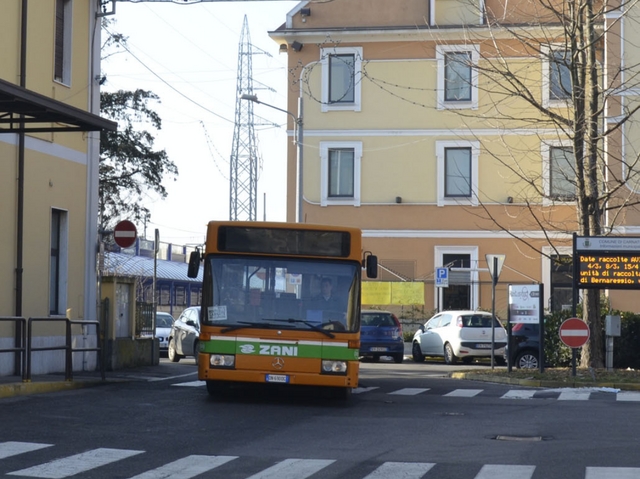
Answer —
(188, 56)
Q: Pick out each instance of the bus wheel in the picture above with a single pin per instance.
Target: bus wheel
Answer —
(342, 394)
(215, 388)
(173, 356)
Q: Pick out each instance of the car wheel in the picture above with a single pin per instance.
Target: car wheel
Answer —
(418, 357)
(398, 358)
(196, 352)
(449, 357)
(173, 356)
(527, 360)
(500, 361)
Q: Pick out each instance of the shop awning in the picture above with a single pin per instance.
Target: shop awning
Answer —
(43, 114)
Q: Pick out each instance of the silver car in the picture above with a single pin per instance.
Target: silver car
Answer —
(183, 339)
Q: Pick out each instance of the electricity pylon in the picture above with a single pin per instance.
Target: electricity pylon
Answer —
(243, 176)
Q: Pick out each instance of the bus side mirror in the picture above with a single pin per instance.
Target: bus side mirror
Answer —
(371, 265)
(194, 264)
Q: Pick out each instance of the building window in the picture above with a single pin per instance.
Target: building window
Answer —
(560, 87)
(58, 262)
(341, 72)
(340, 172)
(562, 175)
(457, 163)
(559, 177)
(341, 76)
(62, 42)
(556, 77)
(457, 172)
(457, 77)
(561, 294)
(463, 291)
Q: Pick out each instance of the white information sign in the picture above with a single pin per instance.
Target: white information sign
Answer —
(524, 303)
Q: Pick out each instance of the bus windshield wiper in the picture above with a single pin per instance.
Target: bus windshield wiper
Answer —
(247, 324)
(308, 323)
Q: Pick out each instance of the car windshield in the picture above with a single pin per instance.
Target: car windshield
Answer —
(478, 321)
(163, 320)
(284, 293)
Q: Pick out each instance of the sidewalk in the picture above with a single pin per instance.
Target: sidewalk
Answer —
(11, 386)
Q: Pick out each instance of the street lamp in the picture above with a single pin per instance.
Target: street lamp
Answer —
(298, 124)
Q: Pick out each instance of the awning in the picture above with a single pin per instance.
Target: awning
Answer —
(43, 114)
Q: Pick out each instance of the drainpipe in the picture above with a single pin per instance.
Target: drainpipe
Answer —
(20, 212)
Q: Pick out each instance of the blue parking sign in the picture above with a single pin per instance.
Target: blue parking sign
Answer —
(442, 277)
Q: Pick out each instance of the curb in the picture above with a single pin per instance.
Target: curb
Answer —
(29, 388)
(543, 383)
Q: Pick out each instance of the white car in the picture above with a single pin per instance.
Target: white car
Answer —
(163, 328)
(459, 335)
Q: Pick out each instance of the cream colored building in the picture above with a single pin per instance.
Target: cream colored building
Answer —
(49, 153)
(407, 135)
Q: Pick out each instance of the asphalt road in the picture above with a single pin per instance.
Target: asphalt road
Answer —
(405, 421)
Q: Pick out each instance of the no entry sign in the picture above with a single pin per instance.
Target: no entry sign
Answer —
(125, 234)
(574, 332)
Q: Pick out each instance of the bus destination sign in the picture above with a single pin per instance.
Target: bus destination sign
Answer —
(614, 270)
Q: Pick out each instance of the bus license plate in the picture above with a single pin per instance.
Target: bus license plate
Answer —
(376, 349)
(277, 378)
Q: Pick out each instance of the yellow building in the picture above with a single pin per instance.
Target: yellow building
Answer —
(410, 133)
(49, 154)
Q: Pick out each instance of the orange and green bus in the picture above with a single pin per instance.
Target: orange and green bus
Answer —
(265, 317)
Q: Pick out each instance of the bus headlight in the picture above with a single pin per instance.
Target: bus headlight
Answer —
(334, 367)
(222, 360)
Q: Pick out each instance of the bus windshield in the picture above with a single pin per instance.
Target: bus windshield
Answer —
(284, 293)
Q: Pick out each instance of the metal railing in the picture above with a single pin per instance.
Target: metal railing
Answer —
(67, 347)
(20, 342)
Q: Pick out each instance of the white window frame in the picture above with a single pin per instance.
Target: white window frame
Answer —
(325, 146)
(545, 152)
(357, 77)
(441, 50)
(66, 45)
(472, 251)
(547, 101)
(441, 147)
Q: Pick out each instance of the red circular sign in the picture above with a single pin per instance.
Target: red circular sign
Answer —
(125, 234)
(574, 332)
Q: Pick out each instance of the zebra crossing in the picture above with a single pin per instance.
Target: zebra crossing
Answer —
(564, 394)
(97, 461)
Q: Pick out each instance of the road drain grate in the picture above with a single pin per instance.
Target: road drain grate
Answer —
(519, 438)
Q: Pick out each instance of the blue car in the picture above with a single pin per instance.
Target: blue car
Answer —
(380, 335)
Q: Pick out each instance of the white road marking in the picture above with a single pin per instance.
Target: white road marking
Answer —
(464, 393)
(173, 377)
(364, 390)
(628, 396)
(13, 448)
(493, 471)
(519, 394)
(72, 465)
(409, 391)
(293, 469)
(574, 396)
(401, 470)
(192, 384)
(186, 468)
(612, 473)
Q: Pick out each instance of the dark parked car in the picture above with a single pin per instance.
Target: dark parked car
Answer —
(183, 338)
(380, 335)
(525, 342)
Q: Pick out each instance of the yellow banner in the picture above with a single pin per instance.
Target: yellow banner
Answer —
(386, 292)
